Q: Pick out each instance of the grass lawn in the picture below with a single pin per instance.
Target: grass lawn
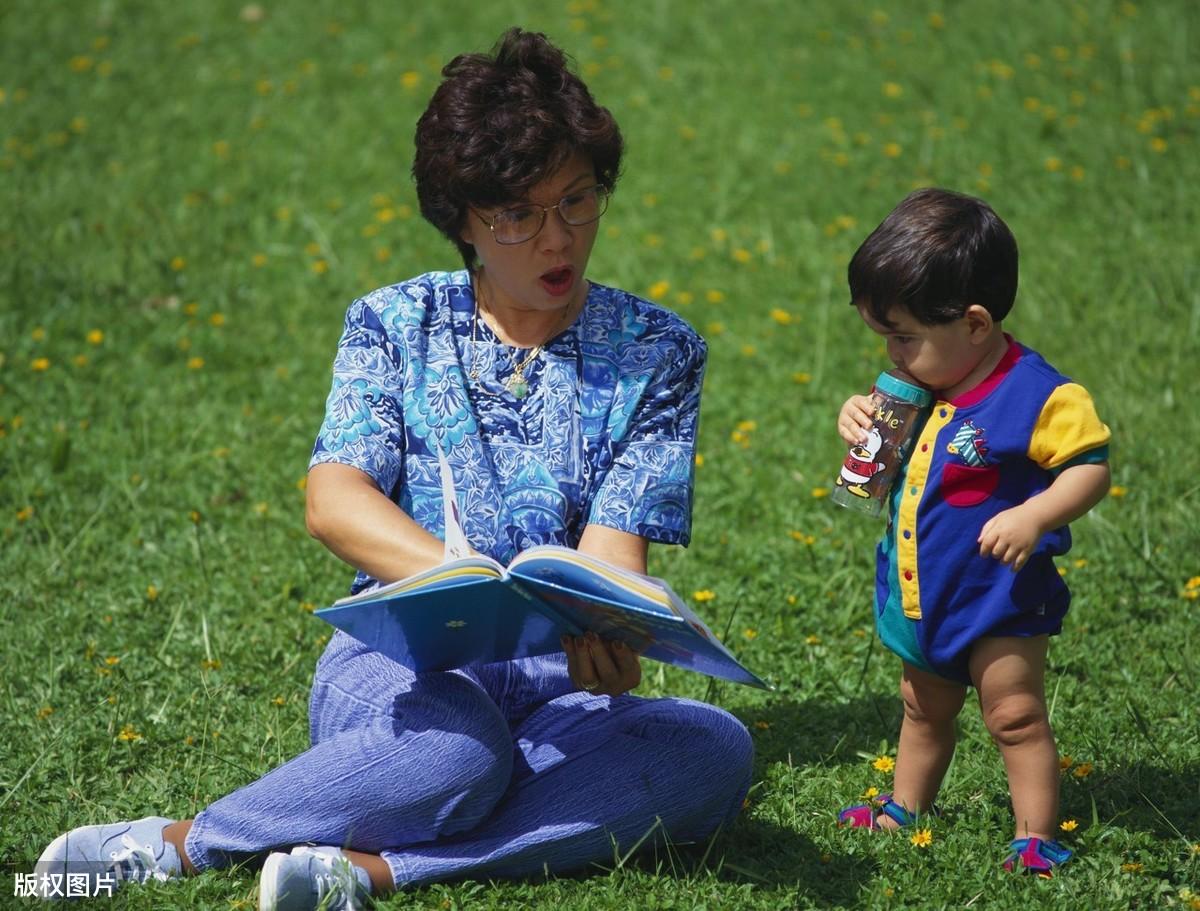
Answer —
(191, 194)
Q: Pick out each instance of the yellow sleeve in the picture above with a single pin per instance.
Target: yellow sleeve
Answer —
(1067, 426)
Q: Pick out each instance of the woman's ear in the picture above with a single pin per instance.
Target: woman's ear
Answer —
(979, 323)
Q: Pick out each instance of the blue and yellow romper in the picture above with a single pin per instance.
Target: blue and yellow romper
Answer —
(988, 450)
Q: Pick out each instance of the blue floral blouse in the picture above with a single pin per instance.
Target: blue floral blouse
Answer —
(605, 436)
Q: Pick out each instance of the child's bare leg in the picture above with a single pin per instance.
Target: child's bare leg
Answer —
(931, 704)
(1009, 673)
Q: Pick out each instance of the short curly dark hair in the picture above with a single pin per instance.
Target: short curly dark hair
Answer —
(936, 254)
(499, 124)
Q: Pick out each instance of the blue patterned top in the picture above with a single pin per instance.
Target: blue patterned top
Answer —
(605, 436)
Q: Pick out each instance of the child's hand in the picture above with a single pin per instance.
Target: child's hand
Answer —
(1010, 536)
(855, 419)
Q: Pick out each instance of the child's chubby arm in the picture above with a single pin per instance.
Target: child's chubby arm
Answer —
(1012, 535)
(854, 420)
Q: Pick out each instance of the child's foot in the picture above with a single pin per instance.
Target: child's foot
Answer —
(877, 813)
(309, 878)
(1036, 855)
(95, 860)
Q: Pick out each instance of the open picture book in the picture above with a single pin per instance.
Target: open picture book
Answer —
(470, 609)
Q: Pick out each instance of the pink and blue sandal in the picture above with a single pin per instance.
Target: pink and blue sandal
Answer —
(1034, 855)
(866, 815)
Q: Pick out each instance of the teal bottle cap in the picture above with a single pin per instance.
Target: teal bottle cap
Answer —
(892, 385)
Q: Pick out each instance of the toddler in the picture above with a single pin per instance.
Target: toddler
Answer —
(967, 593)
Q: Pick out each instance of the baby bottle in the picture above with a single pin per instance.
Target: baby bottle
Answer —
(870, 469)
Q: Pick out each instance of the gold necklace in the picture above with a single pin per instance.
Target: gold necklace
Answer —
(516, 384)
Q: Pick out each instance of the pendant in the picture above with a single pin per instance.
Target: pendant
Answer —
(517, 386)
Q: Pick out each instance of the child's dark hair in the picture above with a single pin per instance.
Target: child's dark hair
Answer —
(936, 254)
(500, 123)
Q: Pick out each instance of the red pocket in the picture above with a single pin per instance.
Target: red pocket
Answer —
(966, 485)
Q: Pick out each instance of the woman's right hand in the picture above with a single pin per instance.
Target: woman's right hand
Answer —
(602, 667)
(854, 420)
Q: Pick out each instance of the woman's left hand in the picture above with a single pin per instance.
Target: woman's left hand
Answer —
(603, 668)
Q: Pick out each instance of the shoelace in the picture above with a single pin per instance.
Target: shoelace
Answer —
(137, 863)
(339, 881)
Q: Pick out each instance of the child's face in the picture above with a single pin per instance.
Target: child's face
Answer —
(941, 356)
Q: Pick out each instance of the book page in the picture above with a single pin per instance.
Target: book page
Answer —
(566, 566)
(454, 572)
(456, 539)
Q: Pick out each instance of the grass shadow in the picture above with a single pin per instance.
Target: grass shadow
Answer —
(1159, 800)
(817, 730)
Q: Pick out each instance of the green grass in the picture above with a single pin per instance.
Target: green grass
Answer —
(764, 142)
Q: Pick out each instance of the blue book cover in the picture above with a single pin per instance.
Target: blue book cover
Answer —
(474, 611)
(471, 610)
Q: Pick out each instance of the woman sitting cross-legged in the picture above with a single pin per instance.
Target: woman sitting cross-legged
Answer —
(567, 412)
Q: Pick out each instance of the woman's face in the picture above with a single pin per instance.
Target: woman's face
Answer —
(546, 272)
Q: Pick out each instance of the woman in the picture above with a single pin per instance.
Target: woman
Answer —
(567, 412)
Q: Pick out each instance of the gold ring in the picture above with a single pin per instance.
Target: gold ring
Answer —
(590, 686)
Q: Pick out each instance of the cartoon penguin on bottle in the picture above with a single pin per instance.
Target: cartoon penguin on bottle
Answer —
(862, 464)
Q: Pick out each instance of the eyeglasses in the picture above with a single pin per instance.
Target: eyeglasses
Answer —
(522, 223)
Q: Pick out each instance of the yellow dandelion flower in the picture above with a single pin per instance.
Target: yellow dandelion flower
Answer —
(1076, 172)
(1032, 104)
(38, 334)
(261, 508)
(1083, 770)
(45, 712)
(684, 297)
(1065, 762)
(383, 254)
(812, 640)
(658, 290)
(790, 599)
(819, 492)
(687, 133)
(782, 168)
(715, 328)
(195, 516)
(95, 337)
(112, 660)
(129, 734)
(781, 316)
(302, 483)
(747, 426)
(40, 364)
(1068, 825)
(1158, 144)
(1053, 164)
(713, 296)
(1192, 584)
(1132, 867)
(81, 63)
(741, 255)
(151, 592)
(801, 377)
(870, 793)
(703, 595)
(1117, 491)
(893, 89)
(320, 267)
(279, 701)
(25, 513)
(762, 725)
(410, 79)
(211, 664)
(178, 264)
(749, 351)
(718, 235)
(217, 319)
(892, 149)
(937, 21)
(653, 241)
(883, 764)
(195, 363)
(699, 460)
(650, 200)
(80, 360)
(666, 73)
(922, 838)
(750, 633)
(307, 606)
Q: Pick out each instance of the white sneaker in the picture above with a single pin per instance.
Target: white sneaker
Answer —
(310, 878)
(94, 860)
